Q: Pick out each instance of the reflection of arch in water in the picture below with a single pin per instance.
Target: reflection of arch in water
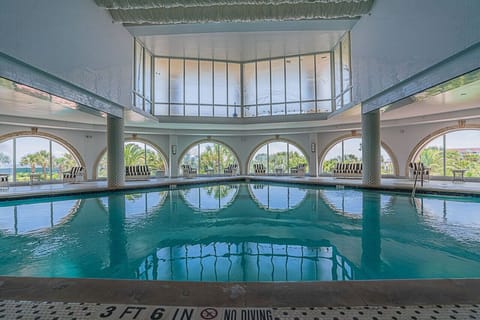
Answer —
(276, 198)
(210, 198)
(246, 261)
(457, 218)
(349, 202)
(37, 217)
(139, 204)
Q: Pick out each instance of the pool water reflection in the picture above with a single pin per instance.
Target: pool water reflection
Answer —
(242, 232)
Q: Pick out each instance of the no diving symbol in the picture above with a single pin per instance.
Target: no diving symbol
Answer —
(208, 313)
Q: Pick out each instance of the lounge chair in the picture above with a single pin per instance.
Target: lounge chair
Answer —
(4, 181)
(348, 170)
(259, 169)
(231, 169)
(188, 172)
(298, 171)
(418, 168)
(138, 172)
(75, 174)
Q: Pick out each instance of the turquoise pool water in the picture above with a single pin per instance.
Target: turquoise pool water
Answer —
(242, 232)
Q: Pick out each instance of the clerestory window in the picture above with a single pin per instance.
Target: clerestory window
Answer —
(303, 84)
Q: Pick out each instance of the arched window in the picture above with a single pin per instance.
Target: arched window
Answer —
(24, 155)
(349, 150)
(136, 153)
(209, 157)
(278, 157)
(277, 198)
(452, 150)
(210, 198)
(23, 218)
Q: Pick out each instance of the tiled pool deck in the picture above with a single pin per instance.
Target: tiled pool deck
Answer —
(55, 298)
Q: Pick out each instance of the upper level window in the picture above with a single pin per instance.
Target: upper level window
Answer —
(301, 84)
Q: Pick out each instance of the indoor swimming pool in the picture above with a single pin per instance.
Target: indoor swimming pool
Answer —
(242, 232)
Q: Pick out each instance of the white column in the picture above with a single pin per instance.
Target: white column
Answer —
(116, 161)
(371, 148)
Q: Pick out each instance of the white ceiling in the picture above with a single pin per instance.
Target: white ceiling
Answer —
(242, 41)
(457, 99)
(241, 46)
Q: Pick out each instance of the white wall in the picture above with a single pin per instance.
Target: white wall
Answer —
(73, 40)
(403, 37)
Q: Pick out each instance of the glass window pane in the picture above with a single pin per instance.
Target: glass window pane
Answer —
(138, 83)
(277, 157)
(206, 111)
(352, 150)
(62, 160)
(191, 110)
(293, 108)
(346, 62)
(176, 81)
(249, 84)
(138, 101)
(386, 162)
(220, 82)
(333, 156)
(260, 157)
(432, 156)
(307, 80)
(176, 109)
(208, 158)
(308, 107)
(324, 106)
(337, 71)
(191, 158)
(155, 160)
(32, 156)
(147, 106)
(278, 109)
(278, 80)
(263, 82)
(324, 81)
(161, 80)
(263, 110)
(234, 84)
(161, 109)
(6, 158)
(250, 111)
(463, 152)
(148, 75)
(293, 78)
(134, 153)
(347, 97)
(220, 111)
(206, 82)
(191, 81)
(296, 157)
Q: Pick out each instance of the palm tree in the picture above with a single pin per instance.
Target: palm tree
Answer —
(43, 159)
(64, 162)
(29, 159)
(155, 160)
(134, 154)
(4, 158)
(432, 157)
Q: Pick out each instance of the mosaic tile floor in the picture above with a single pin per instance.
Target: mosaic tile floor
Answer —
(11, 309)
